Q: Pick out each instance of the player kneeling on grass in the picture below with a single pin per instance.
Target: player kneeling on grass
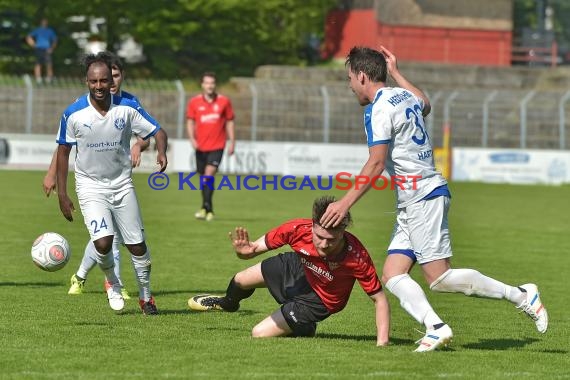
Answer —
(310, 283)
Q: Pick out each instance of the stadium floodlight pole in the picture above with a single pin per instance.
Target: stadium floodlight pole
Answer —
(29, 102)
(523, 107)
(562, 119)
(254, 105)
(326, 113)
(181, 107)
(485, 127)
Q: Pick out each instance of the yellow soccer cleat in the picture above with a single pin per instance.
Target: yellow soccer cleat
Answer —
(77, 285)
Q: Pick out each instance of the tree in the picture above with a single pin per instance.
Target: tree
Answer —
(186, 37)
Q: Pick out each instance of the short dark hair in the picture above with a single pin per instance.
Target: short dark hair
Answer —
(208, 74)
(114, 60)
(91, 59)
(320, 206)
(371, 62)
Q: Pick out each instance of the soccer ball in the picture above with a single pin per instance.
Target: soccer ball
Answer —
(50, 252)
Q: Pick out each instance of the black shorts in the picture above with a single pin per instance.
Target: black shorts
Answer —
(42, 56)
(213, 158)
(301, 306)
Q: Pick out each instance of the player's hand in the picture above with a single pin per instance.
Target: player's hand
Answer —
(334, 214)
(194, 144)
(49, 184)
(240, 241)
(161, 161)
(66, 207)
(231, 148)
(391, 62)
(136, 155)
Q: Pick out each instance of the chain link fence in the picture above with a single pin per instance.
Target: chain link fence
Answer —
(271, 110)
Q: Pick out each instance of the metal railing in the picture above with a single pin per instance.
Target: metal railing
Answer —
(269, 110)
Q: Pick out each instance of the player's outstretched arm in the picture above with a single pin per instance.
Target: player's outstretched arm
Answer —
(392, 65)
(51, 175)
(244, 248)
(382, 318)
(65, 204)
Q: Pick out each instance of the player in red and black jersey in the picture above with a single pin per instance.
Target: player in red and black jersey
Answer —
(311, 283)
(210, 122)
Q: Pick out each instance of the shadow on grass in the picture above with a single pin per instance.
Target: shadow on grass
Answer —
(187, 312)
(499, 344)
(359, 338)
(189, 292)
(31, 284)
(91, 324)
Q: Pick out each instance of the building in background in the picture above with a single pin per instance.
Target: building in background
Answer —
(442, 31)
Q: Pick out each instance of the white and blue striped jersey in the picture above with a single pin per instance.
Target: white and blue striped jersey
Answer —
(395, 118)
(103, 159)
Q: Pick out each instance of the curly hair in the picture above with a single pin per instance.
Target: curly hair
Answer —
(90, 59)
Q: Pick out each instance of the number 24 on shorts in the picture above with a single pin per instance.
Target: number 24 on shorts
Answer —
(98, 226)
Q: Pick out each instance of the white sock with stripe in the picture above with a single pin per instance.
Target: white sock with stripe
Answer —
(413, 300)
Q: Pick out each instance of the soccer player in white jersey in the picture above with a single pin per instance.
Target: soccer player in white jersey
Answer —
(101, 125)
(398, 142)
(89, 260)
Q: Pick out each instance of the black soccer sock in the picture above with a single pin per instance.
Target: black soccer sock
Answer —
(207, 193)
(234, 294)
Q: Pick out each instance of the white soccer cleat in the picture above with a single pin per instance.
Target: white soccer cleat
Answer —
(205, 302)
(434, 339)
(533, 307)
(115, 298)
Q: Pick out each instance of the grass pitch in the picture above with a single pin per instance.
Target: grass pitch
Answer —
(516, 234)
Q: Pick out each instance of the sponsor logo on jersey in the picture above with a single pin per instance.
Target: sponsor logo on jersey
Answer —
(209, 118)
(103, 144)
(317, 270)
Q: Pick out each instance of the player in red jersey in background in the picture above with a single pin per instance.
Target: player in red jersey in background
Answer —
(310, 283)
(210, 122)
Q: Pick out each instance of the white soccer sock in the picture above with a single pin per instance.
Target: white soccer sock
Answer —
(107, 264)
(88, 261)
(472, 282)
(117, 259)
(515, 295)
(413, 299)
(142, 273)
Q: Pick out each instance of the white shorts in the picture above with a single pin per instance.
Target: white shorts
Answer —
(421, 231)
(111, 213)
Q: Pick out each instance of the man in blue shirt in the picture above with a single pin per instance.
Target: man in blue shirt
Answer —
(44, 40)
